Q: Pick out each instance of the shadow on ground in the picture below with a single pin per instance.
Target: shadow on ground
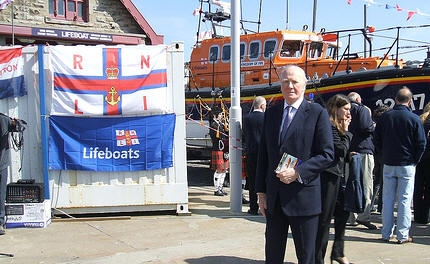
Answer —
(225, 260)
(199, 173)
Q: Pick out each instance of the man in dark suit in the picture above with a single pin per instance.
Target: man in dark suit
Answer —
(292, 197)
(252, 128)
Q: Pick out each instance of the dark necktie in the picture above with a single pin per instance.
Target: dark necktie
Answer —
(286, 124)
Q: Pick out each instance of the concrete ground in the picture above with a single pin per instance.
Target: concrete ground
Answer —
(212, 234)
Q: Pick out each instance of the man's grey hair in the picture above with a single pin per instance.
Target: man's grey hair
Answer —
(299, 70)
(258, 101)
(353, 96)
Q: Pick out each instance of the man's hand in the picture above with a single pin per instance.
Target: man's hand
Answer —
(352, 153)
(262, 203)
(287, 176)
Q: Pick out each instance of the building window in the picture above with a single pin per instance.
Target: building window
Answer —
(75, 10)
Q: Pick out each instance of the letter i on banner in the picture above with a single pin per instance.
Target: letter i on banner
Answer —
(145, 106)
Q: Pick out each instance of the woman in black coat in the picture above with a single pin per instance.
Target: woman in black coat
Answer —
(332, 180)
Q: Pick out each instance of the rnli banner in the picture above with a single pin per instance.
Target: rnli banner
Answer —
(111, 144)
(12, 73)
(100, 80)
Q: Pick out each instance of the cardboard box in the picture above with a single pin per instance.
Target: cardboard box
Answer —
(31, 215)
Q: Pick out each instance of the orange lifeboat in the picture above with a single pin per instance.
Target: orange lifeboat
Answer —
(262, 54)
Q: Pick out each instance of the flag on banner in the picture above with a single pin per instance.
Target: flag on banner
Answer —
(4, 3)
(111, 144)
(100, 80)
(12, 73)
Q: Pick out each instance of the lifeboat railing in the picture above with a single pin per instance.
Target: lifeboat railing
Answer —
(347, 49)
(396, 41)
(271, 55)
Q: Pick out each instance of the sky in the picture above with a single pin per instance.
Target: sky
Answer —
(174, 19)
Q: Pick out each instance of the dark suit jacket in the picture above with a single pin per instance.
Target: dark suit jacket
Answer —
(252, 129)
(309, 138)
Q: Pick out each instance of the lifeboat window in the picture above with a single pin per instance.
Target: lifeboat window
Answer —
(226, 51)
(315, 50)
(254, 50)
(331, 52)
(213, 54)
(269, 47)
(292, 49)
(242, 50)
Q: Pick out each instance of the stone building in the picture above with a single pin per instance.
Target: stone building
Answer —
(68, 22)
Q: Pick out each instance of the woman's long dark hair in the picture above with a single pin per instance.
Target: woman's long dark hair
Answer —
(333, 104)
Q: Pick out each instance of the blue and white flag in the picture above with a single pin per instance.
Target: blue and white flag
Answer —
(111, 144)
(12, 73)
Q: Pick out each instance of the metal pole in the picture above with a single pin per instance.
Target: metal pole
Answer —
(314, 20)
(13, 28)
(200, 19)
(286, 27)
(365, 25)
(397, 48)
(259, 16)
(235, 146)
(43, 119)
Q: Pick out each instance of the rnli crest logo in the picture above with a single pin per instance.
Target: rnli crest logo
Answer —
(126, 138)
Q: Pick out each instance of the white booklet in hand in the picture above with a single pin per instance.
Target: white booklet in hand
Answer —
(287, 161)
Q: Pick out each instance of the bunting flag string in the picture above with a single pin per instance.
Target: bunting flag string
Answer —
(410, 13)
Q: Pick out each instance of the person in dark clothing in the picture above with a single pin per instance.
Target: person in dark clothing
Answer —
(252, 128)
(291, 197)
(219, 156)
(378, 169)
(422, 177)
(401, 139)
(332, 179)
(362, 128)
(7, 125)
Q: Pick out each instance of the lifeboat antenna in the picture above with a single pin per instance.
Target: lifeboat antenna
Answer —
(314, 16)
(364, 31)
(200, 19)
(259, 17)
(286, 26)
